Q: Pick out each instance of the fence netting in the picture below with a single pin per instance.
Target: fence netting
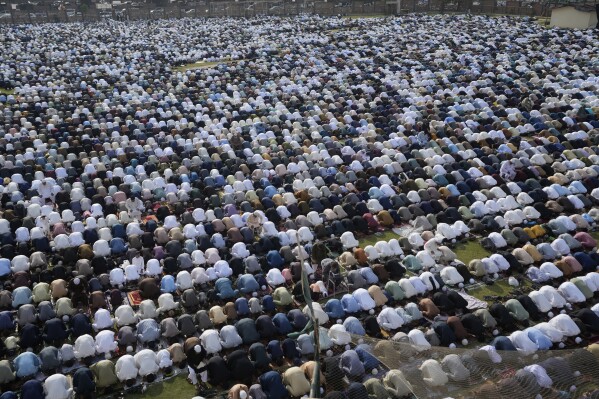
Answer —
(401, 369)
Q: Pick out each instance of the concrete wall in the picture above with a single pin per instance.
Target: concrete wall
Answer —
(593, 21)
(570, 17)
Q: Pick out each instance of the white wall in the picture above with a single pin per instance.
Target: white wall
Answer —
(569, 17)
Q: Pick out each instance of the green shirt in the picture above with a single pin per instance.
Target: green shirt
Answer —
(105, 374)
(282, 297)
(393, 288)
(516, 309)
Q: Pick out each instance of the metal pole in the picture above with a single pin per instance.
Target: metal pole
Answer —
(315, 387)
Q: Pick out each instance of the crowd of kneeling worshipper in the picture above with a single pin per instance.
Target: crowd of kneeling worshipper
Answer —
(157, 220)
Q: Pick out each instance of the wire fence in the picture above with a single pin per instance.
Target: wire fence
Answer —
(441, 372)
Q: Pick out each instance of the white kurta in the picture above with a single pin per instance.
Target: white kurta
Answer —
(564, 324)
(433, 374)
(105, 341)
(146, 362)
(571, 292)
(211, 341)
(389, 319)
(84, 346)
(57, 386)
(125, 368)
(522, 342)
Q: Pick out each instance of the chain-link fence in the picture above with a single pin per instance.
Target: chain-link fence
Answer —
(441, 372)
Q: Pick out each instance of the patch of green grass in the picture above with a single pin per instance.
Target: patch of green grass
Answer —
(343, 29)
(204, 64)
(500, 288)
(543, 20)
(197, 65)
(365, 16)
(470, 250)
(177, 387)
(7, 91)
(374, 238)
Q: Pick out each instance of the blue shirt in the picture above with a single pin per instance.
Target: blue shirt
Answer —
(502, 343)
(32, 389)
(118, 230)
(375, 192)
(247, 284)
(270, 191)
(148, 330)
(350, 364)
(272, 385)
(268, 303)
(282, 323)
(369, 361)
(290, 349)
(334, 309)
(369, 275)
(588, 218)
(587, 263)
(274, 349)
(453, 190)
(536, 336)
(167, 284)
(350, 305)
(21, 296)
(6, 321)
(27, 363)
(297, 319)
(219, 180)
(561, 190)
(117, 246)
(353, 326)
(242, 307)
(80, 325)
(274, 259)
(579, 186)
(224, 288)
(4, 267)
